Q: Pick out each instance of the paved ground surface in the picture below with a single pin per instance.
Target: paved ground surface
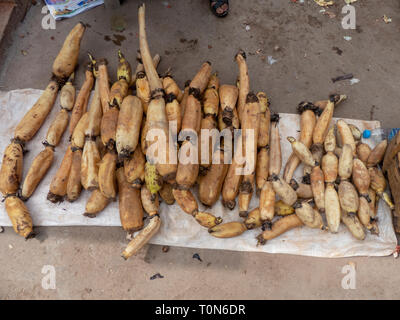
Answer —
(302, 40)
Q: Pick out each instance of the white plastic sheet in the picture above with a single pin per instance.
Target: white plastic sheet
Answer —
(178, 228)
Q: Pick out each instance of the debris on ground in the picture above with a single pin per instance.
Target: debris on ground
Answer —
(343, 77)
(165, 249)
(330, 14)
(247, 27)
(197, 256)
(338, 50)
(10, 246)
(24, 53)
(347, 38)
(156, 276)
(387, 19)
(271, 60)
(130, 236)
(324, 3)
(354, 81)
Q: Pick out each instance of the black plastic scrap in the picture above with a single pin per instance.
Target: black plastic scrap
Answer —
(343, 77)
(156, 276)
(196, 256)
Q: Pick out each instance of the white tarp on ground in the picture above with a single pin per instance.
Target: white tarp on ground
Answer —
(178, 228)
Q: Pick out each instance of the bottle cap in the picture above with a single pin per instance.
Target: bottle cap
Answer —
(366, 134)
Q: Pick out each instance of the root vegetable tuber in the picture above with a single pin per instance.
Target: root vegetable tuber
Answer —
(228, 96)
(142, 238)
(78, 136)
(329, 166)
(130, 204)
(361, 178)
(19, 216)
(107, 178)
(318, 187)
(250, 126)
(57, 128)
(81, 100)
(104, 86)
(353, 224)
(282, 209)
(156, 115)
(307, 124)
(90, 165)
(95, 204)
(377, 154)
(67, 94)
(332, 208)
(134, 168)
(279, 227)
(37, 171)
(309, 216)
(228, 230)
(150, 201)
(210, 185)
(302, 152)
(67, 58)
(253, 219)
(262, 167)
(206, 219)
(34, 118)
(124, 70)
(143, 90)
(211, 97)
(244, 81)
(58, 186)
(275, 154)
(284, 190)
(74, 185)
(267, 202)
(345, 167)
(171, 87)
(186, 200)
(11, 169)
(346, 136)
(128, 126)
(166, 194)
(363, 152)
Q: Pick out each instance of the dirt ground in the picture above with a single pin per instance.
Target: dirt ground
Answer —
(309, 48)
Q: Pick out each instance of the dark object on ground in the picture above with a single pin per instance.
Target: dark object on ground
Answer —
(156, 276)
(216, 4)
(196, 256)
(338, 50)
(344, 77)
(165, 249)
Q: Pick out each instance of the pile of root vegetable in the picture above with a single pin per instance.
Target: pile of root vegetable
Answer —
(109, 152)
